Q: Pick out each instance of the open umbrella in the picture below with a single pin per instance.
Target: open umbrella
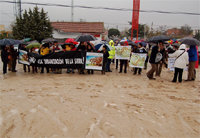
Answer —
(158, 38)
(26, 39)
(71, 41)
(30, 42)
(9, 42)
(85, 38)
(176, 44)
(48, 40)
(190, 41)
(33, 45)
(99, 47)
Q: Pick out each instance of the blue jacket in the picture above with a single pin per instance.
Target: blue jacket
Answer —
(192, 52)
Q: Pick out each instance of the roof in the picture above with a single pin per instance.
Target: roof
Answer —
(79, 27)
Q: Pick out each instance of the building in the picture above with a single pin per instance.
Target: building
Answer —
(173, 32)
(2, 27)
(64, 30)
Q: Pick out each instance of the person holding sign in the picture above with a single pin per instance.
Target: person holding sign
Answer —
(182, 59)
(123, 62)
(139, 49)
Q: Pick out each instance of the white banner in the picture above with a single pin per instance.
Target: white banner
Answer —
(94, 61)
(23, 57)
(122, 52)
(137, 60)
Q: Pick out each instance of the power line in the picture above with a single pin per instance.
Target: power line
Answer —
(104, 8)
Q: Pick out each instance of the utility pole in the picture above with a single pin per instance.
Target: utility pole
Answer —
(72, 10)
(19, 8)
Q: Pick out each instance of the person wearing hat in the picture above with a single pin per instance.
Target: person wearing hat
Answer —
(181, 61)
(44, 50)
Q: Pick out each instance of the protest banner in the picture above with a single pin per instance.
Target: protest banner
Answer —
(23, 57)
(71, 59)
(122, 52)
(137, 60)
(94, 61)
(171, 62)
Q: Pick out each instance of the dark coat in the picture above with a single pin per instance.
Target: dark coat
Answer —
(192, 52)
(154, 52)
(81, 48)
(4, 56)
(140, 50)
(105, 55)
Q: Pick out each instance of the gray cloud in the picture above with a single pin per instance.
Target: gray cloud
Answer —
(116, 18)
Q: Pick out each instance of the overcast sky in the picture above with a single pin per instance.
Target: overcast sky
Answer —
(115, 18)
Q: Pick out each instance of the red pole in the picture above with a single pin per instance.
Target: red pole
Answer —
(138, 18)
(132, 20)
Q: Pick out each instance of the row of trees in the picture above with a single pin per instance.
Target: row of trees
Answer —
(146, 31)
(32, 24)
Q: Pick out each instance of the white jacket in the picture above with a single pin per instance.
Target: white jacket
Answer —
(183, 60)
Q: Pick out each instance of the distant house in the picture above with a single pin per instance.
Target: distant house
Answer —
(63, 30)
(173, 32)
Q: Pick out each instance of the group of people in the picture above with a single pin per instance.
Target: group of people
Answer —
(184, 57)
(9, 56)
(157, 56)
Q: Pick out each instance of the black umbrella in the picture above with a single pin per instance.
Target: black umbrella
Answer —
(48, 40)
(156, 39)
(85, 38)
(132, 43)
(9, 42)
(176, 44)
(190, 41)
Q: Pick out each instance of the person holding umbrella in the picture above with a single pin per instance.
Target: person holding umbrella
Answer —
(192, 52)
(13, 60)
(162, 61)
(180, 62)
(4, 58)
(82, 48)
(105, 58)
(192, 42)
(155, 58)
(90, 48)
